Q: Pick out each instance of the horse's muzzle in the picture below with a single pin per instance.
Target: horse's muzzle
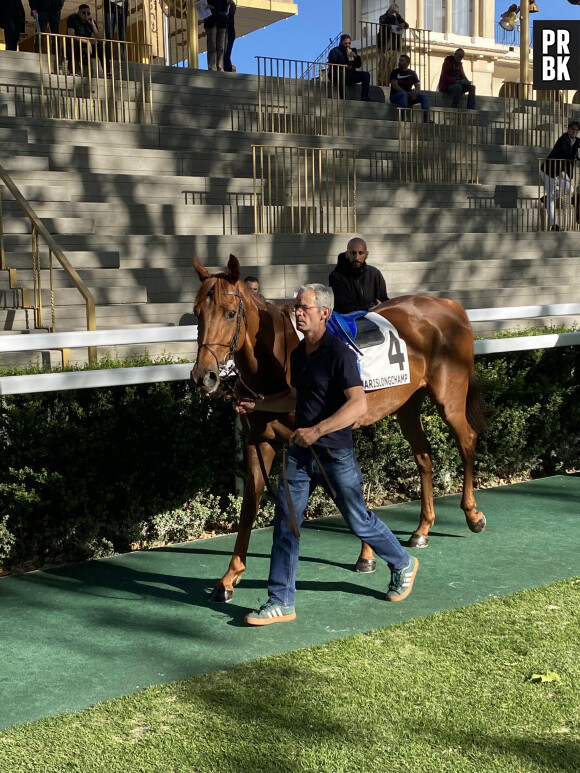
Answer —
(209, 381)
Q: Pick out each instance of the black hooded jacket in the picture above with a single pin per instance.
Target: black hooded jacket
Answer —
(356, 288)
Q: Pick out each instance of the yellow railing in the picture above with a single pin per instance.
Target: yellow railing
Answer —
(95, 80)
(531, 118)
(304, 190)
(169, 27)
(296, 97)
(443, 150)
(40, 233)
(558, 196)
(380, 52)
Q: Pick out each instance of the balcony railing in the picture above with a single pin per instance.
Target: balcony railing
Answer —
(510, 38)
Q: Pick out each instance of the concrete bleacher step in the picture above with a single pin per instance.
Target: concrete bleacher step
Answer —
(18, 256)
(158, 193)
(54, 225)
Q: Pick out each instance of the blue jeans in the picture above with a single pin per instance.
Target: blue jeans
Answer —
(401, 99)
(303, 475)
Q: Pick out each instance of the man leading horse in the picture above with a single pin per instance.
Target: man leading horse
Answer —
(327, 394)
(234, 324)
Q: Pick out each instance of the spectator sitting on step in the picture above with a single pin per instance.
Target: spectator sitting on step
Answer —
(391, 30)
(344, 54)
(454, 81)
(82, 27)
(357, 285)
(557, 170)
(253, 285)
(47, 14)
(12, 21)
(405, 91)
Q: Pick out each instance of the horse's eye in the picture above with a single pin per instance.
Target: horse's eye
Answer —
(231, 314)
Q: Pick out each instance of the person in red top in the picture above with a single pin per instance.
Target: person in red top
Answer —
(454, 81)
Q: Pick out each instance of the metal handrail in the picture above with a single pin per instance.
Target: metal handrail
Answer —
(74, 87)
(39, 229)
(322, 58)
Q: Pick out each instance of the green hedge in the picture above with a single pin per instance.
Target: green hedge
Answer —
(91, 472)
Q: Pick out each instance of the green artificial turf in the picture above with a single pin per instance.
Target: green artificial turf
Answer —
(448, 692)
(78, 635)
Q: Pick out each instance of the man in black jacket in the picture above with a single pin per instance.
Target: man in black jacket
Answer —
(344, 54)
(558, 169)
(356, 285)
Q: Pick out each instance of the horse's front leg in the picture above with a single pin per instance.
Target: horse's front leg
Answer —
(253, 490)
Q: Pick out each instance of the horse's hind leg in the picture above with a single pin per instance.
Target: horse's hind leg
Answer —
(452, 404)
(409, 418)
(253, 490)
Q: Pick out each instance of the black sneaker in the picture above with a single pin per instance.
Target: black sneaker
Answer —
(402, 582)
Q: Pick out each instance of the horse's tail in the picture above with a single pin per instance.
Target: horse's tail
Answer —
(474, 406)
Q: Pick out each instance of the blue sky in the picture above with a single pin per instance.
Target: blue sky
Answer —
(304, 36)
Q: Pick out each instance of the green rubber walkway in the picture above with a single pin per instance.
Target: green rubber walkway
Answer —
(82, 634)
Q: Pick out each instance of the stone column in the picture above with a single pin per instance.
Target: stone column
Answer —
(449, 16)
(476, 18)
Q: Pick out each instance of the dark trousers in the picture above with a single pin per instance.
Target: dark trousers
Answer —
(231, 36)
(46, 20)
(459, 88)
(115, 21)
(359, 76)
(11, 34)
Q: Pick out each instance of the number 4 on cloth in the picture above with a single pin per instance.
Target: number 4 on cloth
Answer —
(395, 353)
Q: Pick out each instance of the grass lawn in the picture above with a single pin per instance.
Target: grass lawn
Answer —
(450, 692)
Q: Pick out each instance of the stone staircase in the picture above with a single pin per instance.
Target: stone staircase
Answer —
(129, 204)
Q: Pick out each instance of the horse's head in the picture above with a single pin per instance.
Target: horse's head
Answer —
(221, 319)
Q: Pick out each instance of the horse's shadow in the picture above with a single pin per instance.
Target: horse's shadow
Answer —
(119, 581)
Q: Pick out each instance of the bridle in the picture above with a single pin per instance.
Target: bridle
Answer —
(223, 369)
(233, 345)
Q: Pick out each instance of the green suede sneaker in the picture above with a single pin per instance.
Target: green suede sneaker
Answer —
(271, 612)
(402, 582)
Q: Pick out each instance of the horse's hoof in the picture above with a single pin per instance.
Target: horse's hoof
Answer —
(365, 565)
(417, 541)
(479, 525)
(221, 595)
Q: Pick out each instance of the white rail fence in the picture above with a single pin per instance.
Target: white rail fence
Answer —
(88, 379)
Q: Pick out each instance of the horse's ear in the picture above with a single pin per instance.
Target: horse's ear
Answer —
(201, 271)
(234, 268)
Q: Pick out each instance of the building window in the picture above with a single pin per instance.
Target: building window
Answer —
(462, 22)
(372, 9)
(435, 15)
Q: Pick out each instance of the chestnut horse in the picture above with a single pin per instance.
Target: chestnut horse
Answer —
(232, 322)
